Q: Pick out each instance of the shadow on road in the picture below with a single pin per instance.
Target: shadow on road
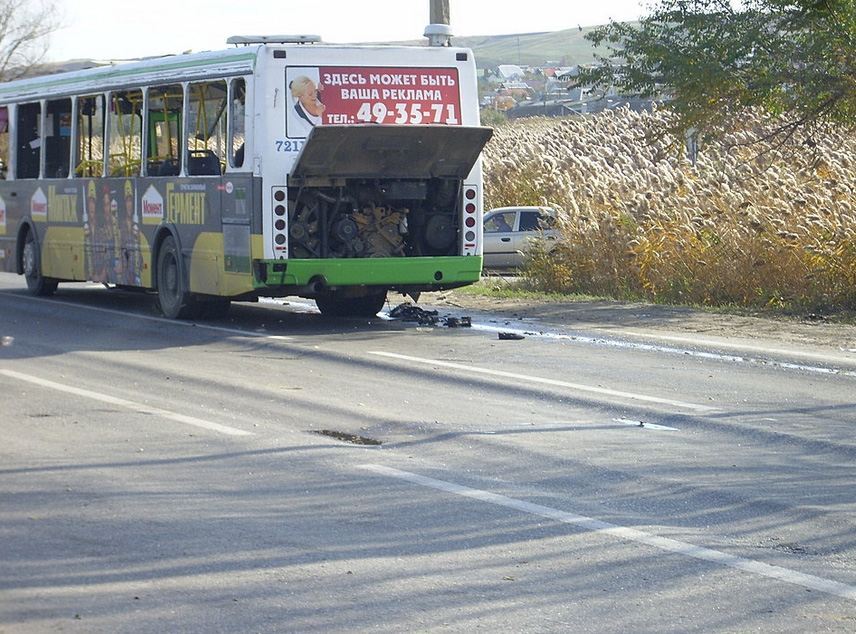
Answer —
(98, 319)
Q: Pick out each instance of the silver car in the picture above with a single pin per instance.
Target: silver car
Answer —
(509, 231)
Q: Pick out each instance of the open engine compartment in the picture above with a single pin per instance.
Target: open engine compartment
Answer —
(358, 191)
(371, 218)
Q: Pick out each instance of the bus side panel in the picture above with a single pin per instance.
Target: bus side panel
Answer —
(55, 208)
(7, 254)
(113, 242)
(11, 216)
(58, 203)
(7, 231)
(62, 253)
(215, 220)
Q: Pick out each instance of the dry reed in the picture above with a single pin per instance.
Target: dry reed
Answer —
(639, 220)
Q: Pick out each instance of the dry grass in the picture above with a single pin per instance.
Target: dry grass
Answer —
(640, 221)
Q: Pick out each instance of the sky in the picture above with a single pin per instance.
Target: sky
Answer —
(102, 29)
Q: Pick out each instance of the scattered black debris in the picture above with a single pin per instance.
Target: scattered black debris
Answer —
(409, 312)
(510, 336)
(792, 548)
(641, 423)
(345, 437)
(458, 322)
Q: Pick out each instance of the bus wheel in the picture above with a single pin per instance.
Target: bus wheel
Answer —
(332, 304)
(36, 283)
(173, 297)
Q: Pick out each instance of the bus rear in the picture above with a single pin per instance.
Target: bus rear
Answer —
(371, 181)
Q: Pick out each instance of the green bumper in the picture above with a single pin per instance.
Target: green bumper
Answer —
(413, 273)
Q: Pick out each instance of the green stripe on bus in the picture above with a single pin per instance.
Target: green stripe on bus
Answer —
(409, 271)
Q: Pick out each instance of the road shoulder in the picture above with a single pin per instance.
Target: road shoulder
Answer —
(676, 323)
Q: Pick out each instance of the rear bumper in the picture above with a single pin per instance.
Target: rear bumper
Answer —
(410, 273)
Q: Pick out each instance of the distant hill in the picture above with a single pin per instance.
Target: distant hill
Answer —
(563, 48)
(567, 48)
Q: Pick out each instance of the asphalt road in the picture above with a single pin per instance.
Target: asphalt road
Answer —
(161, 476)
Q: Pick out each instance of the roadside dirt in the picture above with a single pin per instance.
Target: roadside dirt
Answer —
(663, 321)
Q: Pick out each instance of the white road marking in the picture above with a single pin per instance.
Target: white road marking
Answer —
(700, 354)
(779, 573)
(297, 306)
(716, 343)
(163, 320)
(644, 425)
(544, 381)
(131, 405)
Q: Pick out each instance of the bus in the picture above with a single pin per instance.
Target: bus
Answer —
(281, 166)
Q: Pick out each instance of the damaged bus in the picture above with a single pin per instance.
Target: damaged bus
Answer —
(280, 167)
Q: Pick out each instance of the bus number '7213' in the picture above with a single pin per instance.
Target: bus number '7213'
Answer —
(289, 146)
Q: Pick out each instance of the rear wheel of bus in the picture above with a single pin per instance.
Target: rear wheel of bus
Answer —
(32, 265)
(174, 298)
(336, 304)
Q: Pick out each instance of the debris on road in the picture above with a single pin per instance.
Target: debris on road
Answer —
(458, 322)
(409, 312)
(346, 437)
(510, 336)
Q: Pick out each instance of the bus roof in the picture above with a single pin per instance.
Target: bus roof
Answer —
(155, 71)
(160, 70)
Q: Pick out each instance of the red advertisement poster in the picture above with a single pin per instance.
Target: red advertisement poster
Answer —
(343, 95)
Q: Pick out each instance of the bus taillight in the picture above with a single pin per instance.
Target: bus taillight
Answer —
(471, 219)
(279, 204)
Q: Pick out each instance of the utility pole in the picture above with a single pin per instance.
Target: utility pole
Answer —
(438, 32)
(440, 12)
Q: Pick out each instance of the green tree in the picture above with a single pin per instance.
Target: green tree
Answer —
(711, 58)
(492, 118)
(24, 29)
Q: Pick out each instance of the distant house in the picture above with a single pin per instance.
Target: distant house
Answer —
(510, 72)
(587, 105)
(567, 74)
(543, 109)
(515, 85)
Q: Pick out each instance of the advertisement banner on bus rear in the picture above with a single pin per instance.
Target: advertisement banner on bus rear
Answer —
(349, 95)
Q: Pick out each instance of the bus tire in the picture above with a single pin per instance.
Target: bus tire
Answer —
(174, 299)
(31, 262)
(332, 304)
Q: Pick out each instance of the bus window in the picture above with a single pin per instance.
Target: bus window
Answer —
(57, 138)
(164, 125)
(236, 122)
(4, 142)
(125, 133)
(206, 128)
(90, 136)
(29, 151)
